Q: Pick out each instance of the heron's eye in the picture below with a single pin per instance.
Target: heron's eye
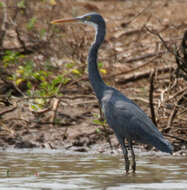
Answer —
(88, 17)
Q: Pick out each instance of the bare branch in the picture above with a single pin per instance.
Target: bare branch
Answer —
(182, 60)
(3, 26)
(151, 90)
(140, 13)
(175, 110)
(161, 39)
(8, 110)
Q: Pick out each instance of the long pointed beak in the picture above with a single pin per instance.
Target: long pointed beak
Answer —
(65, 20)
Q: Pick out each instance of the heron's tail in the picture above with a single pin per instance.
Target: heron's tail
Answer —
(163, 145)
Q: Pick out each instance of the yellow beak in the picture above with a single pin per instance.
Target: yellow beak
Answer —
(64, 20)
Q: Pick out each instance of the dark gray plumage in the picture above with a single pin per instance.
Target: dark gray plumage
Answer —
(126, 119)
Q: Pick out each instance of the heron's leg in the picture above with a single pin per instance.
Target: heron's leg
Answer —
(125, 154)
(133, 156)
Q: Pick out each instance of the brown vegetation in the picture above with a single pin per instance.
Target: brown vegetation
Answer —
(45, 97)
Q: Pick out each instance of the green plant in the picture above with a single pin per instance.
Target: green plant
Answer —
(11, 57)
(7, 173)
(24, 72)
(42, 32)
(39, 82)
(21, 4)
(2, 4)
(100, 122)
(51, 88)
(101, 69)
(105, 132)
(31, 23)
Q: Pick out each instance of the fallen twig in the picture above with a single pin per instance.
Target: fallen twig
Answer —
(176, 94)
(177, 138)
(8, 110)
(145, 56)
(132, 70)
(54, 109)
(59, 97)
(141, 75)
(85, 102)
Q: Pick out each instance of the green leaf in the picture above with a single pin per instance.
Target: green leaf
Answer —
(21, 4)
(2, 4)
(31, 23)
(98, 130)
(65, 80)
(76, 72)
(100, 65)
(103, 71)
(11, 57)
(19, 80)
(57, 80)
(69, 65)
(29, 85)
(44, 84)
(40, 102)
(34, 107)
(42, 32)
(98, 122)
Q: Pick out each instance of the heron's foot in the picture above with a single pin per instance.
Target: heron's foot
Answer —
(134, 167)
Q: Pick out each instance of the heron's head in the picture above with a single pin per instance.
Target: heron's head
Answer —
(90, 18)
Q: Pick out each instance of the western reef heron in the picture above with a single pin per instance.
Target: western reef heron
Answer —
(127, 120)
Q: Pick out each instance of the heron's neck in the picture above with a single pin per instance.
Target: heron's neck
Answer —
(93, 72)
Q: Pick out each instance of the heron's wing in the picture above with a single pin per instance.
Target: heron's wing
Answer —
(138, 124)
(140, 127)
(121, 113)
(130, 121)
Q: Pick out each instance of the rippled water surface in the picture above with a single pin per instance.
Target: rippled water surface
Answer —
(39, 169)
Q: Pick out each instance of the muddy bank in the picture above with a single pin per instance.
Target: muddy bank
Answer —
(46, 100)
(76, 131)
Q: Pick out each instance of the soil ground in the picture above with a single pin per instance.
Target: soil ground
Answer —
(129, 54)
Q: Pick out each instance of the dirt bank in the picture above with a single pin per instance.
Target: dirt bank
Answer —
(46, 100)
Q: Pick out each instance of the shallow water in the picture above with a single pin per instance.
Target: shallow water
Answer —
(44, 169)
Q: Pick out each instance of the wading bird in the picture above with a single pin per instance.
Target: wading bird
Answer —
(127, 120)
